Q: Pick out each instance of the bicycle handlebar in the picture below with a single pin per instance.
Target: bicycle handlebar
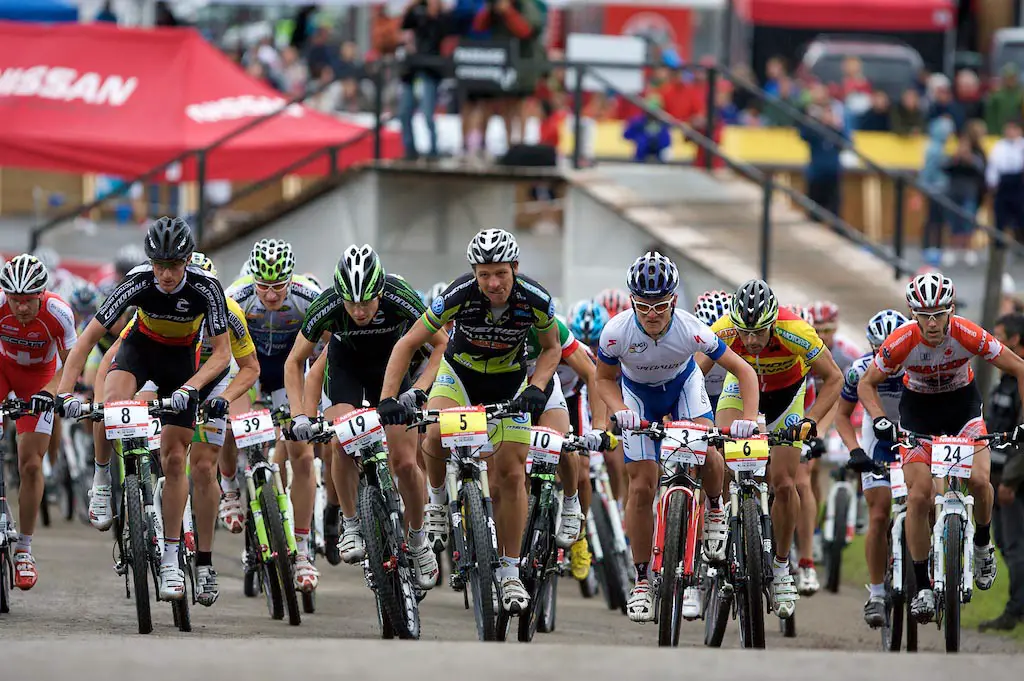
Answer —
(94, 410)
(14, 408)
(498, 410)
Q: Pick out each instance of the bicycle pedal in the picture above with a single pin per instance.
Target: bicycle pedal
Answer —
(121, 568)
(456, 582)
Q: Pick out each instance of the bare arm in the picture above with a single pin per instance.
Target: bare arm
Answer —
(844, 426)
(549, 358)
(608, 387)
(581, 362)
(75, 359)
(826, 368)
(439, 343)
(51, 386)
(750, 391)
(401, 355)
(215, 364)
(248, 372)
(704, 362)
(293, 367)
(314, 385)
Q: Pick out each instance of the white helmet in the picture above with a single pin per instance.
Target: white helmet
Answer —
(930, 291)
(491, 246)
(25, 274)
(882, 325)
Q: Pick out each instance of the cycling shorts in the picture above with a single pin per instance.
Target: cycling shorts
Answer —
(168, 366)
(345, 382)
(212, 432)
(271, 372)
(957, 412)
(556, 398)
(781, 408)
(684, 397)
(25, 382)
(467, 388)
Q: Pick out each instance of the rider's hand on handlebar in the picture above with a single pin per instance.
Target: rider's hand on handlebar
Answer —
(597, 441)
(413, 398)
(41, 402)
(885, 430)
(627, 419)
(803, 429)
(533, 399)
(300, 428)
(394, 412)
(69, 405)
(1017, 435)
(815, 448)
(217, 408)
(741, 428)
(859, 461)
(183, 398)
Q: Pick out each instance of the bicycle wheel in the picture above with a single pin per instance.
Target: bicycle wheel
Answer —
(549, 606)
(717, 605)
(787, 627)
(892, 630)
(44, 507)
(613, 574)
(180, 607)
(753, 567)
(390, 580)
(909, 588)
(260, 576)
(537, 548)
(478, 544)
(671, 585)
(953, 548)
(834, 550)
(6, 575)
(65, 489)
(279, 550)
(138, 556)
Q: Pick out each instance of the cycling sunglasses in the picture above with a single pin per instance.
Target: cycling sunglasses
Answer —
(929, 316)
(278, 287)
(658, 308)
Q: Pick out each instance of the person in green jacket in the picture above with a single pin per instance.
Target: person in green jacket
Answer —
(1005, 103)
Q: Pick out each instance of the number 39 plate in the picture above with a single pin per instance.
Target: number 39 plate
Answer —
(253, 428)
(359, 429)
(128, 418)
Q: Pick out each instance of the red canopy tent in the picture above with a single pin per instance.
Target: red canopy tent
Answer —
(96, 98)
(851, 15)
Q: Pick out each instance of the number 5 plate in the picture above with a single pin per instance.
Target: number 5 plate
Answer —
(747, 455)
(683, 443)
(545, 445)
(952, 456)
(253, 428)
(463, 427)
(359, 429)
(128, 418)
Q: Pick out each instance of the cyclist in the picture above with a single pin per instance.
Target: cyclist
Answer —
(61, 280)
(709, 308)
(940, 398)
(365, 313)
(36, 327)
(870, 451)
(177, 305)
(614, 301)
(781, 348)
(825, 319)
(493, 308)
(275, 302)
(653, 346)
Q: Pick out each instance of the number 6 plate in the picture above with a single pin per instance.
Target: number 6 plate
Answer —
(253, 428)
(952, 456)
(747, 455)
(359, 429)
(128, 418)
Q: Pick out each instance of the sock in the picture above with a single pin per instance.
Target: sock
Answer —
(417, 537)
(228, 484)
(924, 580)
(438, 495)
(571, 503)
(806, 563)
(877, 590)
(204, 558)
(508, 567)
(101, 475)
(170, 556)
(302, 541)
(780, 566)
(982, 535)
(715, 503)
(641, 571)
(24, 543)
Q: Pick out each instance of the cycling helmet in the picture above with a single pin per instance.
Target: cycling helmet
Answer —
(435, 291)
(47, 256)
(586, 321)
(314, 279)
(754, 306)
(930, 291)
(128, 258)
(492, 246)
(359, 276)
(84, 298)
(24, 274)
(824, 312)
(802, 312)
(169, 239)
(271, 260)
(613, 300)
(712, 306)
(883, 324)
(652, 275)
(203, 262)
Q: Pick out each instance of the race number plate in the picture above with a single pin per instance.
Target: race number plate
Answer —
(747, 455)
(545, 445)
(253, 428)
(156, 429)
(897, 482)
(128, 418)
(463, 427)
(683, 443)
(952, 456)
(359, 429)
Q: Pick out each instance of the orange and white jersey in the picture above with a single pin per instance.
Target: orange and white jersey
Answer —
(35, 344)
(942, 368)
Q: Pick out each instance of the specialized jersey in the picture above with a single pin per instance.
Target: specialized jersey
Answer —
(35, 344)
(173, 318)
(940, 369)
(567, 378)
(787, 357)
(368, 345)
(890, 389)
(274, 332)
(485, 343)
(650, 361)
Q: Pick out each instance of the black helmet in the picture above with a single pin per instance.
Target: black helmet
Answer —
(754, 306)
(359, 276)
(169, 239)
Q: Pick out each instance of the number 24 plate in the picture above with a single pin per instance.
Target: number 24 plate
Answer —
(952, 456)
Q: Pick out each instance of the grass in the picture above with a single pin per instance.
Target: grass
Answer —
(984, 605)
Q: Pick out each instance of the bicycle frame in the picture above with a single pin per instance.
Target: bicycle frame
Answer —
(259, 472)
(742, 486)
(953, 502)
(828, 529)
(463, 467)
(680, 482)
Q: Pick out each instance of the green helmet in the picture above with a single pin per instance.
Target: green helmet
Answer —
(359, 276)
(271, 260)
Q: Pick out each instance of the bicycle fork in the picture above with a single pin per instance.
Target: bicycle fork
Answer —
(899, 515)
(953, 502)
(282, 505)
(257, 516)
(693, 520)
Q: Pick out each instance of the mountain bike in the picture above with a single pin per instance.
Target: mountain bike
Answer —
(475, 549)
(840, 524)
(387, 567)
(269, 538)
(12, 408)
(900, 584)
(952, 550)
(73, 470)
(137, 522)
(607, 539)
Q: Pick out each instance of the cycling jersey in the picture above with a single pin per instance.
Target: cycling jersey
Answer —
(485, 340)
(274, 332)
(169, 318)
(35, 344)
(890, 390)
(786, 359)
(942, 368)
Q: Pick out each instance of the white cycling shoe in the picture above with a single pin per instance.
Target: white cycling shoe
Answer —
(640, 606)
(207, 590)
(435, 524)
(172, 583)
(101, 513)
(306, 575)
(784, 596)
(514, 597)
(716, 534)
(425, 565)
(922, 608)
(691, 603)
(230, 511)
(807, 581)
(569, 528)
(984, 566)
(351, 544)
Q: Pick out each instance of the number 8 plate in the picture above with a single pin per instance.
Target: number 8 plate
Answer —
(253, 428)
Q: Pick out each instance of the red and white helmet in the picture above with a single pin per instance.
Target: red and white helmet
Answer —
(802, 312)
(823, 312)
(613, 300)
(931, 291)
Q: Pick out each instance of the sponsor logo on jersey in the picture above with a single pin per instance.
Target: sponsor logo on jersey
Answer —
(793, 338)
(637, 348)
(445, 379)
(378, 318)
(792, 420)
(181, 305)
(813, 353)
(521, 419)
(732, 388)
(852, 376)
